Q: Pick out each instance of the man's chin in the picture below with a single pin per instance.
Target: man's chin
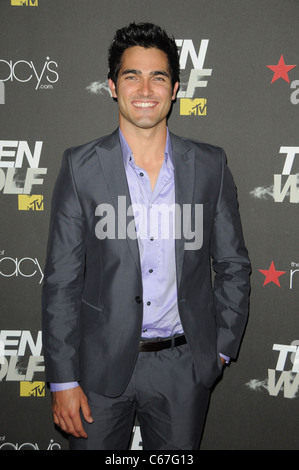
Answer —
(147, 123)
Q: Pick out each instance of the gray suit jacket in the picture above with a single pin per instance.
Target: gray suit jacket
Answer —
(92, 292)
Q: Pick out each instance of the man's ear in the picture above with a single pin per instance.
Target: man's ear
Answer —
(112, 88)
(175, 90)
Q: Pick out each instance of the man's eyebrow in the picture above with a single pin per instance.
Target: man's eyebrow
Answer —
(160, 72)
(128, 71)
(138, 72)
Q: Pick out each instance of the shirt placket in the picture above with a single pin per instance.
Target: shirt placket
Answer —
(151, 244)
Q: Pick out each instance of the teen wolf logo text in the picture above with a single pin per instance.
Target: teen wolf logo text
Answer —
(20, 356)
(286, 184)
(19, 166)
(197, 79)
(284, 379)
(198, 74)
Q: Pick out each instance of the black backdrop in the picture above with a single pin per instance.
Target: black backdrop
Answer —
(244, 97)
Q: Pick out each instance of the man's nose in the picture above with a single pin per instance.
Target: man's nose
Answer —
(145, 87)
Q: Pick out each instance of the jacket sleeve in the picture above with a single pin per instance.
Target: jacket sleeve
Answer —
(231, 267)
(63, 280)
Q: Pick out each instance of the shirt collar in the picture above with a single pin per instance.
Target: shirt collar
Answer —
(128, 155)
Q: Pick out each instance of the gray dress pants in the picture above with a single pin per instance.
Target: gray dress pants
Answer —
(168, 398)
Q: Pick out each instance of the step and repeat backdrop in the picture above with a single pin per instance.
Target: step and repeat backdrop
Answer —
(240, 90)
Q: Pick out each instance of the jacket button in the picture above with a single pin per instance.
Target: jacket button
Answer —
(138, 299)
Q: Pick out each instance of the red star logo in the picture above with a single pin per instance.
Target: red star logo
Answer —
(272, 275)
(281, 70)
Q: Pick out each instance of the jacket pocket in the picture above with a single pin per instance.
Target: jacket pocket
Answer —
(90, 317)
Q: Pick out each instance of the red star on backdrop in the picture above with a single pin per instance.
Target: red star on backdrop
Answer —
(272, 275)
(281, 70)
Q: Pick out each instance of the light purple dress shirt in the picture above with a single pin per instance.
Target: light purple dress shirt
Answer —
(156, 243)
(155, 232)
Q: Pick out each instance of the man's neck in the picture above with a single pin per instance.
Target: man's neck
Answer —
(147, 145)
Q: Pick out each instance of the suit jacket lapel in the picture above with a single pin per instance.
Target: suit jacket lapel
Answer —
(184, 167)
(110, 157)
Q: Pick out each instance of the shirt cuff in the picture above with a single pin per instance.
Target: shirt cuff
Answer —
(57, 387)
(227, 359)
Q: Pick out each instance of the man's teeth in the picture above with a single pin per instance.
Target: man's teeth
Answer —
(144, 105)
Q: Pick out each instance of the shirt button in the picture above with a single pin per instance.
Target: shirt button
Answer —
(141, 174)
(150, 270)
(148, 303)
(138, 299)
(151, 239)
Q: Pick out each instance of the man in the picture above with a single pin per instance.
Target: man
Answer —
(131, 321)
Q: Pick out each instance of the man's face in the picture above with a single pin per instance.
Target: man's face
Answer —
(144, 90)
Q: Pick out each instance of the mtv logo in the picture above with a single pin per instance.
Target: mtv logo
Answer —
(32, 389)
(193, 107)
(30, 202)
(24, 3)
(19, 3)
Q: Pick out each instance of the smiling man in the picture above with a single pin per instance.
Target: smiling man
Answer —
(144, 93)
(144, 89)
(135, 325)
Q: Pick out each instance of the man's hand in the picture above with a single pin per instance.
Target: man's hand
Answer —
(66, 406)
(222, 360)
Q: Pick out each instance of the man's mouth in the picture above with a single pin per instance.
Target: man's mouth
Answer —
(144, 104)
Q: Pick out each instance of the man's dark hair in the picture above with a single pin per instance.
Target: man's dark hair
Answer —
(145, 35)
